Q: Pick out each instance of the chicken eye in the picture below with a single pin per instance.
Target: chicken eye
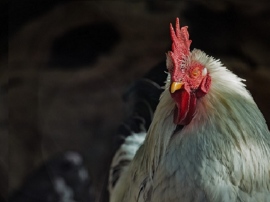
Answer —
(195, 72)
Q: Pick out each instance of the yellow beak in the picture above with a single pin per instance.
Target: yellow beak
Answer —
(176, 86)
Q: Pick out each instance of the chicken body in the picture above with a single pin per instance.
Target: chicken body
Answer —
(222, 155)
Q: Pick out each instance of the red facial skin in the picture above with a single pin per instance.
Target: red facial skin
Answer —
(195, 86)
(196, 81)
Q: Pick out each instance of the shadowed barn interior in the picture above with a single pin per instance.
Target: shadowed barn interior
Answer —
(71, 62)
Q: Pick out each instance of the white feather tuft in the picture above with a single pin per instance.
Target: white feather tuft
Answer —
(222, 155)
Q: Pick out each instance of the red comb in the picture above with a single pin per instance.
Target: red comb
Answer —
(180, 43)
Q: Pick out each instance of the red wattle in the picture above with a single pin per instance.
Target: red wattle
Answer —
(185, 106)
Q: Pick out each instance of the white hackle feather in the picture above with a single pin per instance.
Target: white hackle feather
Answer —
(123, 156)
(221, 155)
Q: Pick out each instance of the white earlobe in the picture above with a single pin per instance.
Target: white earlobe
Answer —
(204, 72)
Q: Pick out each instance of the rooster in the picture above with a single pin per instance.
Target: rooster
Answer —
(208, 141)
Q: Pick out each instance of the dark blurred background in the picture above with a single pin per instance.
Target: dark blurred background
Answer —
(71, 61)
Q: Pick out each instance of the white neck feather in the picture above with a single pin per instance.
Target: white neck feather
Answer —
(225, 106)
